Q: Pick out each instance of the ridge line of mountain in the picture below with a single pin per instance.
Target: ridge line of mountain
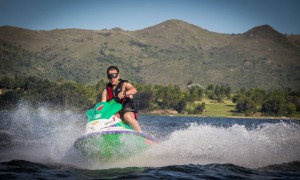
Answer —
(171, 52)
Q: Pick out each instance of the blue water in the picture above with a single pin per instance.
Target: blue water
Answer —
(38, 144)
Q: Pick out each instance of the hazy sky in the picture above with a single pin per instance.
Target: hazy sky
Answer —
(223, 16)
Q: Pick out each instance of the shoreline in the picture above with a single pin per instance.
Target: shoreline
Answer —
(240, 117)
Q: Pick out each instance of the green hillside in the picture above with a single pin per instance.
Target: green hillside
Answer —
(172, 52)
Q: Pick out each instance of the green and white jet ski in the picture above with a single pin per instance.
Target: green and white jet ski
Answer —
(107, 137)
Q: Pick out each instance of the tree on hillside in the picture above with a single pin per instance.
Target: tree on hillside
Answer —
(199, 108)
(169, 96)
(196, 93)
(277, 102)
(210, 92)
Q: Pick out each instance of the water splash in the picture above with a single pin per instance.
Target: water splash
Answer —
(41, 135)
(204, 144)
(47, 136)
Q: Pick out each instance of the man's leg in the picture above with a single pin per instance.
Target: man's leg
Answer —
(129, 117)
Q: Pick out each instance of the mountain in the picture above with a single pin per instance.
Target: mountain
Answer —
(172, 52)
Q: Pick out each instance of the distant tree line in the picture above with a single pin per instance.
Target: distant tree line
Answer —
(64, 94)
(36, 92)
(273, 102)
(173, 97)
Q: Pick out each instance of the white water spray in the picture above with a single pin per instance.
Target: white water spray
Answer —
(41, 135)
(205, 144)
(47, 136)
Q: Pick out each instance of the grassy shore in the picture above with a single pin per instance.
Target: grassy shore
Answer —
(227, 109)
(212, 108)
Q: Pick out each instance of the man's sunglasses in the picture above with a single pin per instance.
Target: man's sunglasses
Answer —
(114, 75)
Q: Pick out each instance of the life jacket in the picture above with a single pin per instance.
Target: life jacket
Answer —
(126, 102)
(111, 93)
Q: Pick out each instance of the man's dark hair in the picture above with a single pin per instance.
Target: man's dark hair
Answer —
(112, 68)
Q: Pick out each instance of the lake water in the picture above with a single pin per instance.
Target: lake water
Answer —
(39, 145)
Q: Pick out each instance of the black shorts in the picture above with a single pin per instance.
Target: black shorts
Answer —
(128, 107)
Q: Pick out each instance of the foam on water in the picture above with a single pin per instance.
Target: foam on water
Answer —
(47, 136)
(204, 144)
(41, 135)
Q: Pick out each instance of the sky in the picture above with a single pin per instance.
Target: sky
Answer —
(222, 16)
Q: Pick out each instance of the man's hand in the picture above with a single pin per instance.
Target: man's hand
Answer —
(121, 95)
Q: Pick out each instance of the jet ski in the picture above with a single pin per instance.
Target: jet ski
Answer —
(106, 137)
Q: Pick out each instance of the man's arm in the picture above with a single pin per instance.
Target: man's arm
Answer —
(129, 89)
(104, 96)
